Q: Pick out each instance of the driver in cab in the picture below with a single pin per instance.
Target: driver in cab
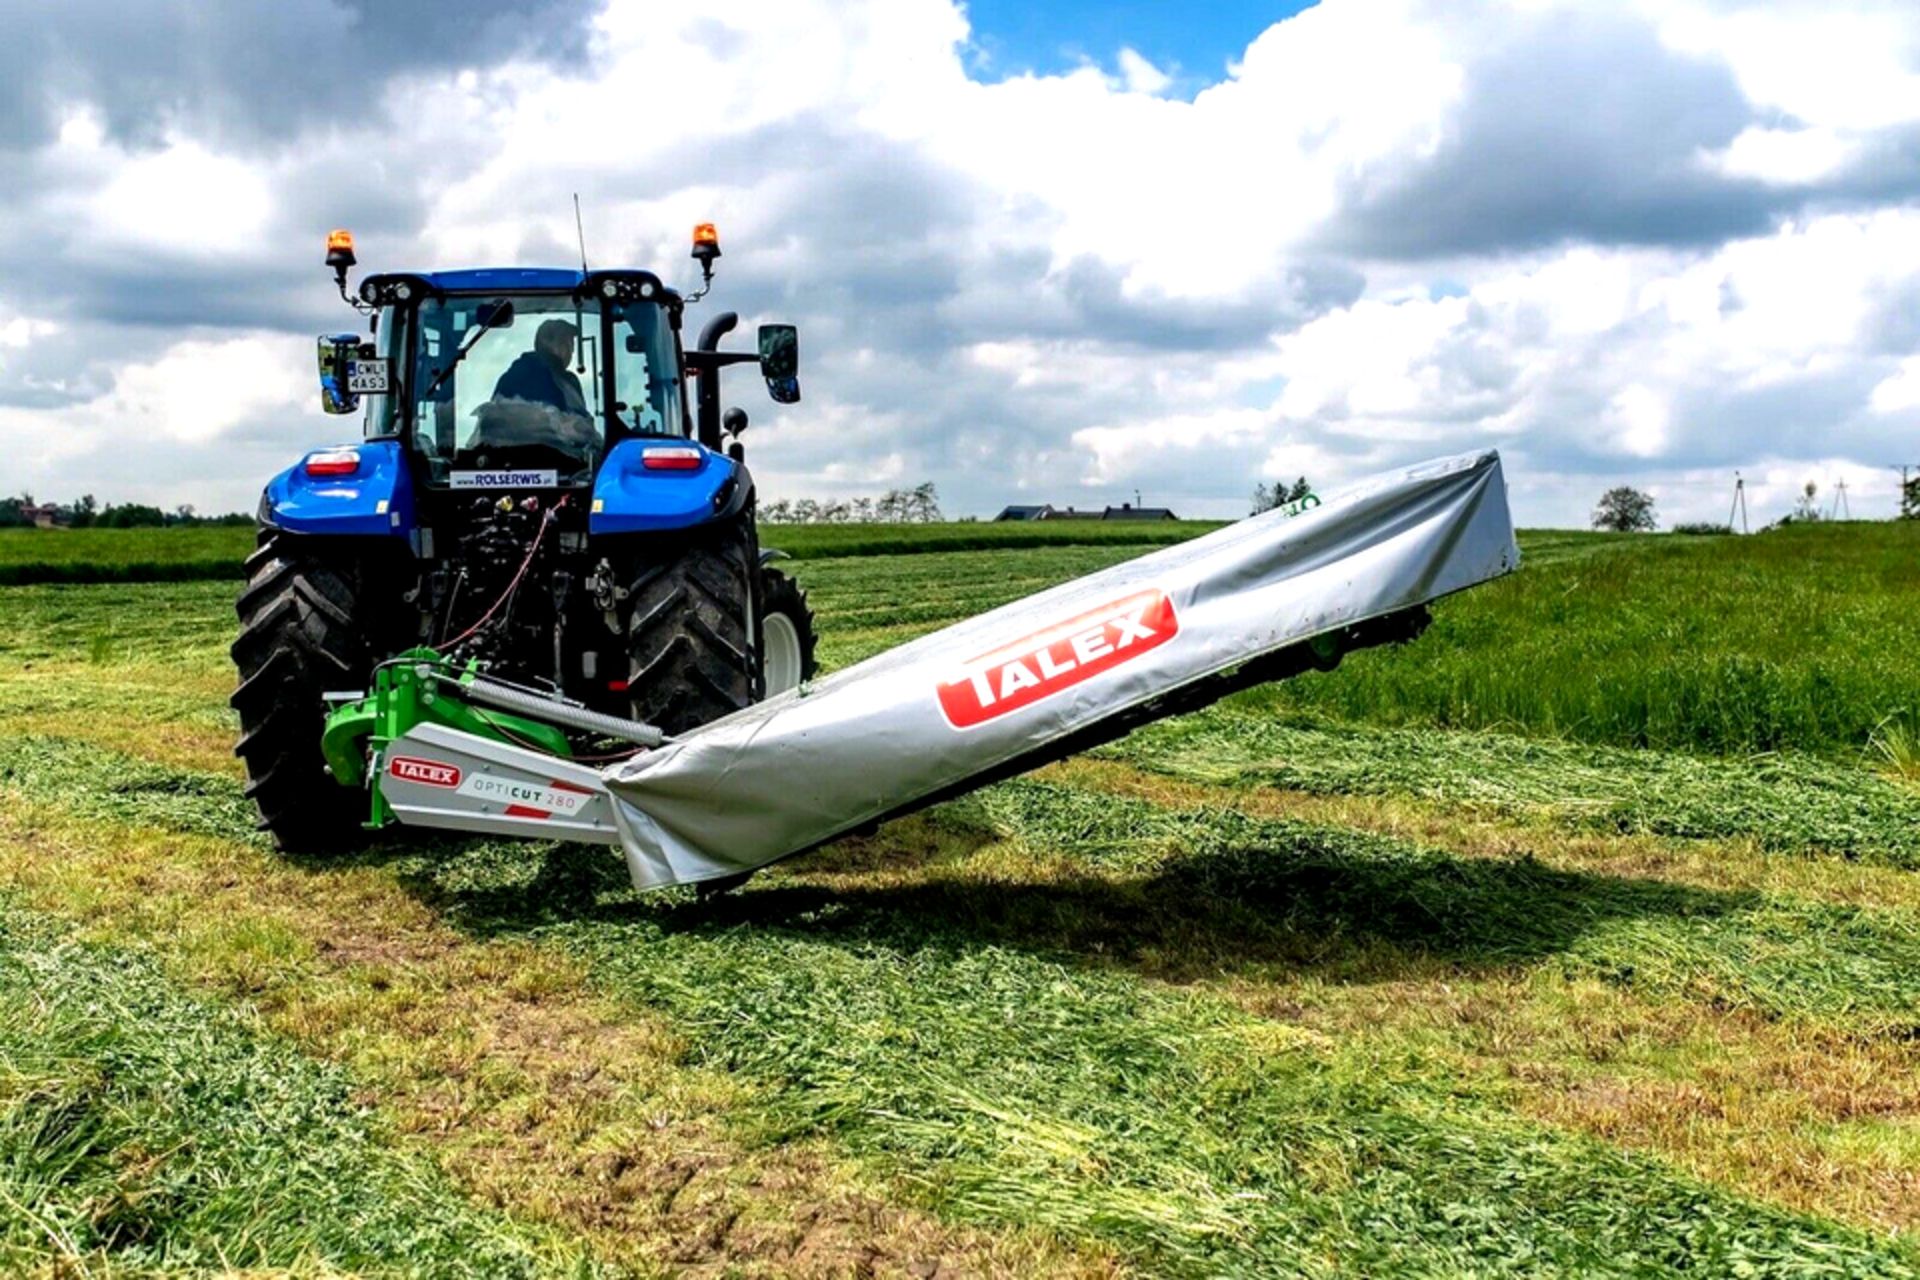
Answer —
(540, 377)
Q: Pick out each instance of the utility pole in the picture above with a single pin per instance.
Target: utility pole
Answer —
(1840, 508)
(1739, 504)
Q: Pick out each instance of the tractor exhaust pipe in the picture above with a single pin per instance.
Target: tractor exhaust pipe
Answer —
(706, 387)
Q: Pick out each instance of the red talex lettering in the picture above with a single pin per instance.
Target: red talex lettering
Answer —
(1049, 669)
(1059, 657)
(1089, 645)
(1014, 677)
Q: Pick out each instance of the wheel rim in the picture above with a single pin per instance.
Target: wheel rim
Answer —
(780, 662)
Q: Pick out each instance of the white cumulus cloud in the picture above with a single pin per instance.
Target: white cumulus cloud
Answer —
(1627, 243)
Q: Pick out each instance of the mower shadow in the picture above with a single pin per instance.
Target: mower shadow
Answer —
(1336, 904)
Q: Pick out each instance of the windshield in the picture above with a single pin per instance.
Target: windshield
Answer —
(518, 383)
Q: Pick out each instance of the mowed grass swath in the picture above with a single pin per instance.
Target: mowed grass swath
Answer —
(146, 1129)
(1296, 985)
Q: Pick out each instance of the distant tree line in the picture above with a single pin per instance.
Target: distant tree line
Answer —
(918, 505)
(1268, 496)
(1910, 499)
(85, 512)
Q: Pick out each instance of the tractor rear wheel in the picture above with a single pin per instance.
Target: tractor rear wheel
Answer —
(690, 655)
(300, 638)
(786, 634)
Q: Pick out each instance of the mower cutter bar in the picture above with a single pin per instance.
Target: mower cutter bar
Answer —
(1058, 672)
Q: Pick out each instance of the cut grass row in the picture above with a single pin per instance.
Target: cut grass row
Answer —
(961, 1004)
(1753, 1070)
(1788, 803)
(141, 1126)
(493, 1059)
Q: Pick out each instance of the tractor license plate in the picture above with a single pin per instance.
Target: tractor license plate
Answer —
(505, 479)
(367, 377)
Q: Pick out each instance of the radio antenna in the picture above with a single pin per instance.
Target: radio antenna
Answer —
(580, 230)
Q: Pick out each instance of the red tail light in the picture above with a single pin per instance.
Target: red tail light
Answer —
(675, 458)
(334, 462)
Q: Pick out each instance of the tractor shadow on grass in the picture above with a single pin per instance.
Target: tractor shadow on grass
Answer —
(1342, 905)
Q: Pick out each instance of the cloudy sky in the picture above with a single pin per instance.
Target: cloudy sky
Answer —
(1055, 253)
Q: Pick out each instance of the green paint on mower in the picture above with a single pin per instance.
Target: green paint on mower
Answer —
(408, 690)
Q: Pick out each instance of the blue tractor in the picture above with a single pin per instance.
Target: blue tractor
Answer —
(545, 489)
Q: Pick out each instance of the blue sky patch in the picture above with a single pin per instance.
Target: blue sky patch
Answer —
(1192, 43)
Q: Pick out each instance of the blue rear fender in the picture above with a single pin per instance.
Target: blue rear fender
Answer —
(631, 497)
(374, 497)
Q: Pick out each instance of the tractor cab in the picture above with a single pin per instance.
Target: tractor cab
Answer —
(535, 373)
(495, 380)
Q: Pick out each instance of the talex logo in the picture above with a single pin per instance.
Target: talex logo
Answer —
(430, 773)
(1042, 664)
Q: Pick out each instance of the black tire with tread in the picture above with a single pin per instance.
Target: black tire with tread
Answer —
(300, 637)
(690, 657)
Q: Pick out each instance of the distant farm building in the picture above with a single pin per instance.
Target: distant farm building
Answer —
(47, 516)
(1046, 511)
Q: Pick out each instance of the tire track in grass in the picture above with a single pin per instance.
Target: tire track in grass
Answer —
(538, 1096)
(992, 1058)
(142, 1128)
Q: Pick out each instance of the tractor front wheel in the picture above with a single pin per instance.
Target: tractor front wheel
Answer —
(786, 634)
(300, 638)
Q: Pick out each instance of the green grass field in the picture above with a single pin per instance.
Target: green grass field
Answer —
(1581, 936)
(29, 556)
(1805, 637)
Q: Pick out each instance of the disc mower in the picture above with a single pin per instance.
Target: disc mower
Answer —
(531, 599)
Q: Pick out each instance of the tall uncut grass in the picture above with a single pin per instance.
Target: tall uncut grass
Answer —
(1804, 637)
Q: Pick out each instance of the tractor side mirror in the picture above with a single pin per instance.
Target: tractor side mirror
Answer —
(734, 420)
(495, 315)
(780, 361)
(337, 354)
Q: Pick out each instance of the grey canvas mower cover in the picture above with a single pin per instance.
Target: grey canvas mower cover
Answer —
(1053, 674)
